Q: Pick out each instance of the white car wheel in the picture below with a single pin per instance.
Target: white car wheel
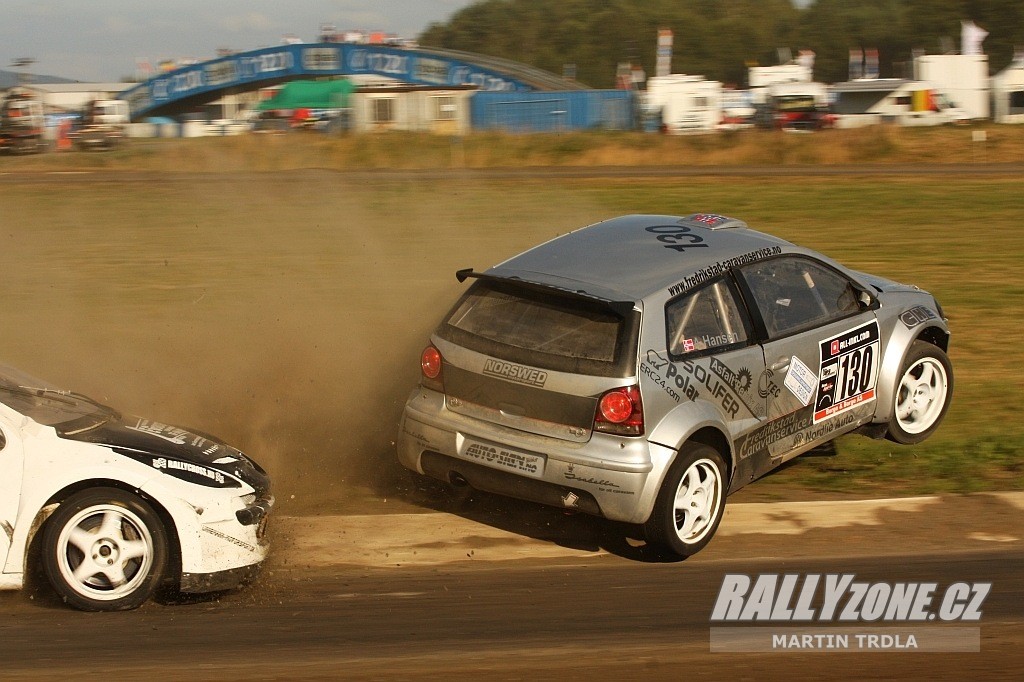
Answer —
(104, 550)
(691, 502)
(922, 395)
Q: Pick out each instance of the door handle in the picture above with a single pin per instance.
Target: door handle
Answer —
(779, 365)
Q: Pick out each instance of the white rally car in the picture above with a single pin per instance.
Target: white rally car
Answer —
(113, 507)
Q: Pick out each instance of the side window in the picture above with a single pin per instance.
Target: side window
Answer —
(706, 319)
(798, 293)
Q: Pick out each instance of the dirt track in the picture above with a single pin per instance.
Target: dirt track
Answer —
(507, 591)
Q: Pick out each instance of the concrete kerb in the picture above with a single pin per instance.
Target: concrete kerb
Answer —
(394, 540)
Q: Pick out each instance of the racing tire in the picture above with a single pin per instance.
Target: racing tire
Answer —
(922, 395)
(691, 501)
(104, 550)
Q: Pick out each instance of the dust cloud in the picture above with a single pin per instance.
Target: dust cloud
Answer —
(283, 313)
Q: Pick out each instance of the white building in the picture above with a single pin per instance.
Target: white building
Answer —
(72, 97)
(443, 110)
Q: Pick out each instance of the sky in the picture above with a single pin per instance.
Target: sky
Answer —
(103, 40)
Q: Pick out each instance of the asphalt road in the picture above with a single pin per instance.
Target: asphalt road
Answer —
(576, 612)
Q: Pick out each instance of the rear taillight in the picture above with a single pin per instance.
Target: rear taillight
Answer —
(430, 366)
(621, 412)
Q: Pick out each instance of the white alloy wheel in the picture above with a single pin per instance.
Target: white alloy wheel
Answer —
(104, 550)
(698, 499)
(691, 501)
(921, 395)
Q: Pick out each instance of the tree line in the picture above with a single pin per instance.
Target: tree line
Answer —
(721, 38)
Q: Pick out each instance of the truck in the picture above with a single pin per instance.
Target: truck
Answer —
(102, 126)
(686, 104)
(799, 106)
(21, 124)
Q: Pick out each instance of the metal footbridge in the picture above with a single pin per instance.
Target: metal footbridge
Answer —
(185, 88)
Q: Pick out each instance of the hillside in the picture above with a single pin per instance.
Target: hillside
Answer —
(720, 39)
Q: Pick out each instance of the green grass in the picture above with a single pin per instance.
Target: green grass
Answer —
(285, 310)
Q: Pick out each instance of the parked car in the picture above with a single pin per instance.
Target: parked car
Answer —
(115, 507)
(642, 368)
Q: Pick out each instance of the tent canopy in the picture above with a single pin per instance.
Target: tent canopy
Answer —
(331, 94)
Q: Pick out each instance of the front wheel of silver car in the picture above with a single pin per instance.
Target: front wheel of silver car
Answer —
(691, 501)
(922, 395)
(104, 550)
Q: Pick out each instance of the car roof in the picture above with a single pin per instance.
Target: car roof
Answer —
(624, 257)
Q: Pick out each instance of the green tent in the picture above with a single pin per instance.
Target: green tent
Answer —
(331, 94)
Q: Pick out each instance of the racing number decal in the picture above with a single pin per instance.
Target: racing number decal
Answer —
(677, 237)
(849, 367)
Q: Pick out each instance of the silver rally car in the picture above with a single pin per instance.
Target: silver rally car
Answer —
(644, 367)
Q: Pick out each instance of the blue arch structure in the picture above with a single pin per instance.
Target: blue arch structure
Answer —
(177, 91)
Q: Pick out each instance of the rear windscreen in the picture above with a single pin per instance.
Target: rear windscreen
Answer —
(543, 329)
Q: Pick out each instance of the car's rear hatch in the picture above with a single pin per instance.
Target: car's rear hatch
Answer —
(535, 358)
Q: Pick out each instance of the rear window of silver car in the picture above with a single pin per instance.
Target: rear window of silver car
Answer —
(543, 329)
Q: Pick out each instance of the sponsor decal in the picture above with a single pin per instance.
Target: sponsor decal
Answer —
(500, 458)
(917, 315)
(823, 429)
(431, 70)
(669, 380)
(321, 59)
(772, 432)
(171, 465)
(519, 374)
(740, 382)
(842, 599)
(174, 434)
(581, 475)
(220, 73)
(703, 378)
(420, 438)
(765, 386)
(800, 380)
(224, 536)
(171, 434)
(712, 271)
(849, 368)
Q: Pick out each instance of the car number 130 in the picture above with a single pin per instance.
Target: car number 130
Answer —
(848, 370)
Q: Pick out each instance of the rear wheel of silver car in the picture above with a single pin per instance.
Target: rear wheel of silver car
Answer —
(922, 394)
(691, 501)
(104, 550)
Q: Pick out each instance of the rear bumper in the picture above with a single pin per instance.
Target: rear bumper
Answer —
(609, 476)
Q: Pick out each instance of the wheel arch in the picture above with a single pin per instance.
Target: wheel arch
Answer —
(895, 356)
(715, 438)
(32, 555)
(937, 336)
